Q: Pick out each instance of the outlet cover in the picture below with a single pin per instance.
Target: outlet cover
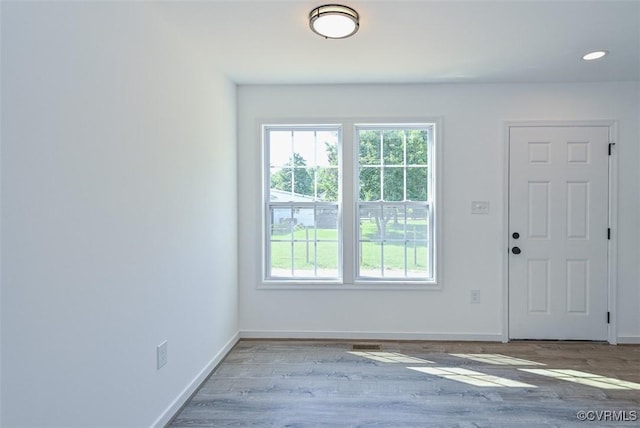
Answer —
(161, 354)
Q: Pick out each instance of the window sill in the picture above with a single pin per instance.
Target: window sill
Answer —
(358, 285)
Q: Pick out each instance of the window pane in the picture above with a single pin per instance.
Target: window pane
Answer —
(371, 224)
(394, 223)
(328, 259)
(369, 184)
(393, 147)
(327, 148)
(327, 222)
(417, 259)
(302, 179)
(279, 148)
(302, 218)
(417, 214)
(281, 223)
(393, 184)
(281, 181)
(369, 142)
(417, 227)
(327, 179)
(304, 148)
(394, 259)
(304, 258)
(417, 184)
(391, 269)
(417, 147)
(370, 259)
(280, 259)
(417, 243)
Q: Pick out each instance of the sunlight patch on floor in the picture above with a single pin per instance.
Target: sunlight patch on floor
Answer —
(585, 378)
(499, 359)
(390, 357)
(471, 377)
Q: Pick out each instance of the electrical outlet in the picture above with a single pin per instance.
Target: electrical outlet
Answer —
(161, 354)
(475, 296)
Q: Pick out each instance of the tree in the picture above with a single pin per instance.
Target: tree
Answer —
(328, 177)
(299, 175)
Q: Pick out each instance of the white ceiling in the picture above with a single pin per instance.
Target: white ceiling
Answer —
(416, 41)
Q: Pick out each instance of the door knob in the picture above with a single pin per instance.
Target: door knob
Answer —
(516, 250)
(515, 235)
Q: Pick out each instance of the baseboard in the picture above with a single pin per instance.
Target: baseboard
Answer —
(629, 340)
(358, 335)
(186, 393)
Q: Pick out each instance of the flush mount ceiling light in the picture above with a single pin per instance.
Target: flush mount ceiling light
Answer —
(594, 55)
(334, 21)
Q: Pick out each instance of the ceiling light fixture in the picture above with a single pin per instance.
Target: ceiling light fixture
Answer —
(334, 21)
(594, 55)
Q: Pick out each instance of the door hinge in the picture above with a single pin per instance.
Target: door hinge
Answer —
(610, 147)
(609, 233)
(608, 317)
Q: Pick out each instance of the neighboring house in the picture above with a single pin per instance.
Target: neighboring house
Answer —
(325, 218)
(301, 216)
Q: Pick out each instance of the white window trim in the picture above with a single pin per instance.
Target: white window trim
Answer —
(347, 204)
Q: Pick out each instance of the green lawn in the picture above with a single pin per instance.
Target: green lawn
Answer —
(370, 252)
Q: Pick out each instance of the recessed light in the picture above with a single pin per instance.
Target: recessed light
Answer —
(594, 55)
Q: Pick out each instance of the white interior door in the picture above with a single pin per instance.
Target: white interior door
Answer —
(558, 224)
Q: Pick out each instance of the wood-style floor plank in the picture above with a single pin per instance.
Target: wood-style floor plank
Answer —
(320, 384)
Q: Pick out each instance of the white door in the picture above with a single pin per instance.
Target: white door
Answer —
(558, 227)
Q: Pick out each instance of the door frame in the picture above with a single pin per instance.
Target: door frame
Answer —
(612, 257)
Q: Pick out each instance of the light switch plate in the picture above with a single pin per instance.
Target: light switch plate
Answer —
(479, 207)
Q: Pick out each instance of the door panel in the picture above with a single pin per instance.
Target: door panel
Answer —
(558, 204)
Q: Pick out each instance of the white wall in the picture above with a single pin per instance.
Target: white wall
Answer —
(118, 215)
(473, 128)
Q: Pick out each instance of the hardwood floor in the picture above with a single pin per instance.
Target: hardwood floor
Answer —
(323, 384)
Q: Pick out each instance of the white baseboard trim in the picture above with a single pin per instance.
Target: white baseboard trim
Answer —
(629, 340)
(186, 393)
(361, 335)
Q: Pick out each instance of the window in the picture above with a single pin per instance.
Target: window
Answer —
(303, 235)
(394, 207)
(350, 207)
